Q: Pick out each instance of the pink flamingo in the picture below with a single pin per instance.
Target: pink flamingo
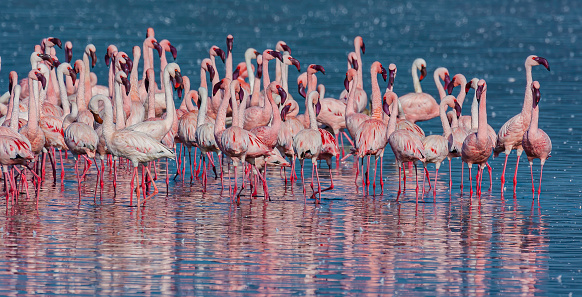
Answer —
(109, 56)
(135, 146)
(84, 116)
(31, 130)
(511, 133)
(477, 146)
(352, 64)
(81, 140)
(406, 146)
(308, 143)
(134, 105)
(436, 147)
(536, 143)
(204, 134)
(361, 99)
(419, 106)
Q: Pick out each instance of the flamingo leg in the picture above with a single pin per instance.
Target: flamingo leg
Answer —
(303, 180)
(416, 175)
(450, 176)
(190, 161)
(154, 184)
(265, 187)
(399, 178)
(540, 186)
(490, 176)
(436, 176)
(62, 167)
(470, 182)
(462, 174)
(516, 166)
(533, 190)
(503, 173)
(375, 171)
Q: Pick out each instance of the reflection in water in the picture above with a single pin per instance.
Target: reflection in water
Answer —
(194, 241)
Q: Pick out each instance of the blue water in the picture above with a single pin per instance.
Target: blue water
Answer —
(190, 242)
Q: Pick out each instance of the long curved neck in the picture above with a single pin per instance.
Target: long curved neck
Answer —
(462, 94)
(475, 113)
(81, 91)
(256, 92)
(119, 113)
(63, 94)
(152, 99)
(15, 110)
(202, 110)
(108, 126)
(482, 130)
(535, 114)
(220, 122)
(203, 82)
(42, 99)
(228, 66)
(134, 78)
(415, 80)
(235, 115)
(266, 78)
(276, 121)
(33, 107)
(312, 117)
(188, 100)
(360, 70)
(376, 96)
(163, 64)
(170, 108)
(216, 77)
(351, 103)
(437, 82)
(311, 82)
(444, 120)
(278, 70)
(285, 77)
(251, 73)
(528, 98)
(53, 86)
(147, 58)
(88, 91)
(111, 79)
(393, 116)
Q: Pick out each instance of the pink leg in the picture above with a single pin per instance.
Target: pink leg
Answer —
(62, 167)
(115, 174)
(132, 189)
(416, 176)
(381, 175)
(375, 170)
(490, 176)
(540, 186)
(190, 161)
(503, 173)
(462, 173)
(399, 178)
(515, 174)
(450, 176)
(436, 176)
(303, 180)
(533, 190)
(102, 172)
(470, 182)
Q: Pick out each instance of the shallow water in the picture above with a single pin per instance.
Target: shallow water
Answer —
(190, 242)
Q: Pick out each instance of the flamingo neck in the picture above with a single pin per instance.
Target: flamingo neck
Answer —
(15, 109)
(462, 94)
(63, 95)
(311, 82)
(133, 76)
(475, 113)
(53, 86)
(202, 111)
(393, 115)
(163, 64)
(220, 122)
(376, 96)
(111, 79)
(147, 58)
(444, 120)
(228, 66)
(88, 91)
(119, 113)
(151, 98)
(203, 83)
(81, 91)
(251, 73)
(360, 83)
(535, 114)
(351, 103)
(256, 92)
(482, 130)
(528, 98)
(312, 117)
(415, 80)
(437, 82)
(266, 78)
(170, 107)
(33, 107)
(235, 115)
(108, 126)
(276, 120)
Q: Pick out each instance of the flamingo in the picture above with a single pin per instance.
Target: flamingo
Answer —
(406, 146)
(134, 106)
(419, 106)
(511, 133)
(204, 134)
(536, 143)
(477, 146)
(361, 99)
(371, 138)
(84, 115)
(307, 143)
(268, 134)
(110, 55)
(436, 147)
(353, 118)
(352, 64)
(81, 139)
(135, 146)
(31, 130)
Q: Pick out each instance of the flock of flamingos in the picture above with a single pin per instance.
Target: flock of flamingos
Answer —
(60, 107)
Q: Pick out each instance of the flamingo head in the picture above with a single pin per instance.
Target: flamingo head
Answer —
(294, 62)
(236, 72)
(316, 68)
(317, 107)
(535, 86)
(150, 32)
(457, 108)
(216, 51)
(90, 51)
(386, 106)
(55, 41)
(301, 88)
(229, 42)
(353, 60)
(259, 68)
(361, 42)
(541, 61)
(285, 111)
(285, 47)
(68, 51)
(481, 87)
(383, 72)
(219, 85)
(47, 58)
(71, 72)
(281, 93)
(275, 54)
(40, 77)
(391, 75)
(12, 81)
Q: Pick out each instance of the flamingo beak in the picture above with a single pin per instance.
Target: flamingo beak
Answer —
(467, 87)
(458, 108)
(386, 107)
(347, 83)
(317, 108)
(449, 85)
(221, 54)
(41, 78)
(47, 58)
(282, 93)
(56, 42)
(363, 47)
(10, 85)
(158, 47)
(236, 73)
(174, 52)
(422, 73)
(107, 59)
(241, 94)
(229, 42)
(216, 88)
(355, 64)
(296, 63)
(384, 73)
(211, 71)
(259, 71)
(536, 96)
(69, 55)
(301, 90)
(127, 85)
(146, 82)
(57, 63)
(479, 92)
(542, 61)
(277, 55)
(319, 68)
(97, 118)
(284, 112)
(93, 59)
(286, 48)
(129, 65)
(391, 78)
(180, 89)
(73, 75)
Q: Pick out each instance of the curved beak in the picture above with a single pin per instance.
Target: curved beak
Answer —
(73, 75)
(422, 73)
(41, 78)
(56, 42)
(229, 42)
(57, 63)
(146, 82)
(211, 71)
(319, 68)
(347, 83)
(479, 91)
(174, 51)
(125, 68)
(127, 85)
(259, 72)
(93, 59)
(363, 47)
(543, 61)
(241, 94)
(317, 108)
(47, 58)
(69, 55)
(277, 55)
(216, 87)
(301, 90)
(457, 108)
(450, 85)
(180, 89)
(286, 48)
(107, 59)
(467, 88)
(236, 73)
(221, 54)
(391, 78)
(282, 93)
(284, 112)
(97, 118)
(384, 73)
(355, 64)
(10, 85)
(158, 47)
(296, 63)
(129, 63)
(178, 79)
(536, 96)
(386, 107)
